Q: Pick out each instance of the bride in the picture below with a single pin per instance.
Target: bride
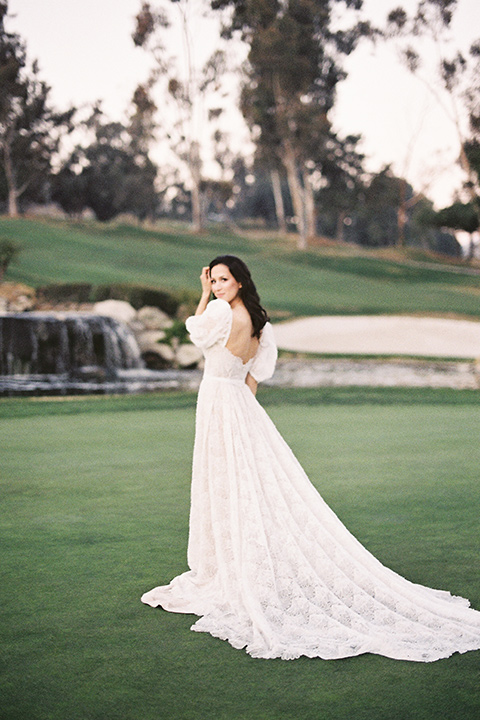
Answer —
(272, 568)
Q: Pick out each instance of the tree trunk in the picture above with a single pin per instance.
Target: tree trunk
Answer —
(402, 214)
(289, 161)
(471, 185)
(471, 247)
(197, 213)
(12, 202)
(278, 198)
(310, 214)
(296, 191)
(340, 234)
(195, 171)
(10, 178)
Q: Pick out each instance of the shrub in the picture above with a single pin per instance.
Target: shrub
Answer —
(8, 252)
(138, 296)
(176, 334)
(65, 293)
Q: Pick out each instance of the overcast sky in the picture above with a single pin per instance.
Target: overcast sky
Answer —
(85, 53)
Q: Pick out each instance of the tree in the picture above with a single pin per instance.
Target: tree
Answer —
(457, 87)
(294, 66)
(377, 219)
(186, 85)
(113, 173)
(69, 187)
(253, 196)
(30, 130)
(459, 216)
(8, 252)
(343, 183)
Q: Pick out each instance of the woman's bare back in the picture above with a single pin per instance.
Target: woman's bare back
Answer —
(241, 343)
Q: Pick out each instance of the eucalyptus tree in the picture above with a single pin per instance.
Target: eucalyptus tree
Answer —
(425, 34)
(191, 89)
(30, 129)
(295, 62)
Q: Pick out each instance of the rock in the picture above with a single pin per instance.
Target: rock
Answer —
(16, 297)
(188, 356)
(91, 373)
(116, 309)
(165, 351)
(153, 319)
(20, 304)
(136, 326)
(158, 357)
(148, 338)
(185, 310)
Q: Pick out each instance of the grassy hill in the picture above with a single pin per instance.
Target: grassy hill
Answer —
(323, 280)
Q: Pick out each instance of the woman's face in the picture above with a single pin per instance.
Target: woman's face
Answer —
(224, 285)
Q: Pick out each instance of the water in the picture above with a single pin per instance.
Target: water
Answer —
(76, 353)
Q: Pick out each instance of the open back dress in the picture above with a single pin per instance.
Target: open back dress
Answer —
(272, 568)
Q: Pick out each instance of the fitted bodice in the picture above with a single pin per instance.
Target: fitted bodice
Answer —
(220, 362)
(211, 330)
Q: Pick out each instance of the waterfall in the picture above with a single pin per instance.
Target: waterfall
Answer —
(57, 352)
(65, 343)
(53, 353)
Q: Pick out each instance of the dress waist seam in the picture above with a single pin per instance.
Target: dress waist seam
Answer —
(230, 381)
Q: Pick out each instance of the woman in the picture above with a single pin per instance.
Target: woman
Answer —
(272, 569)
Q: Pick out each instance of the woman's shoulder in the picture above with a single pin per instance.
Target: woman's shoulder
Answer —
(219, 307)
(212, 325)
(267, 330)
(263, 365)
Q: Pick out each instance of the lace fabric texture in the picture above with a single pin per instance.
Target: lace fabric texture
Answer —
(272, 568)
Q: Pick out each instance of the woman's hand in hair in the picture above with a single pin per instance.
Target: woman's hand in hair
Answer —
(206, 290)
(206, 281)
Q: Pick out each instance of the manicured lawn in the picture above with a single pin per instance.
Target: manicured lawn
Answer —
(95, 495)
(320, 281)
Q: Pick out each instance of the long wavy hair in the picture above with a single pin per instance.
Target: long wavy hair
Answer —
(248, 292)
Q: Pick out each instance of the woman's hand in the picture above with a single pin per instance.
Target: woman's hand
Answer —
(206, 281)
(206, 290)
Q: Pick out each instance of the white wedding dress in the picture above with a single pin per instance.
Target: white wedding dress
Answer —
(272, 569)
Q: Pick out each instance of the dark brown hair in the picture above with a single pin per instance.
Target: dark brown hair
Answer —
(248, 291)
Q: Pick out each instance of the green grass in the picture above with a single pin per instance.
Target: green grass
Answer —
(95, 496)
(320, 281)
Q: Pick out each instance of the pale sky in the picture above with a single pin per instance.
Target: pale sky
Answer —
(85, 53)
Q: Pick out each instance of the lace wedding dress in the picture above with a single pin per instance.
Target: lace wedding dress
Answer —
(272, 569)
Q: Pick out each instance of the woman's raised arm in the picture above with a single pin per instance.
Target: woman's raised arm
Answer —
(206, 291)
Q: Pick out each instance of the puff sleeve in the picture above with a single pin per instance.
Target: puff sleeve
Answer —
(263, 365)
(212, 326)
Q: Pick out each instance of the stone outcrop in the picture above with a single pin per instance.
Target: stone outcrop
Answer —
(116, 309)
(150, 326)
(188, 356)
(153, 318)
(16, 297)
